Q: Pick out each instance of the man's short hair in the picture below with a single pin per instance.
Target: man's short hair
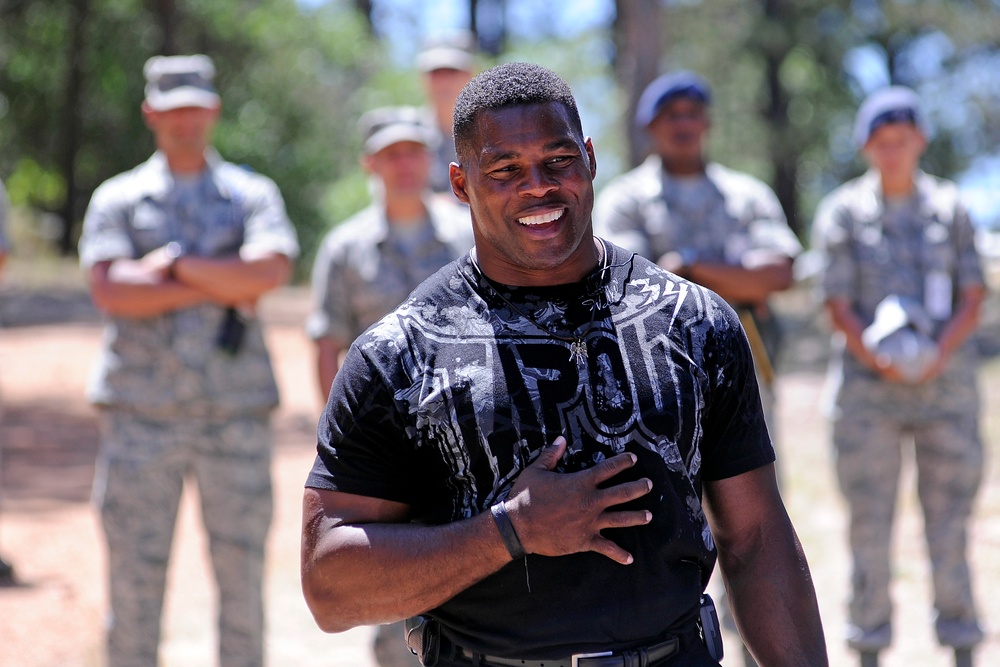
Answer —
(507, 85)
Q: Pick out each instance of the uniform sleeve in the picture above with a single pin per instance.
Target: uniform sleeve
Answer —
(735, 437)
(831, 240)
(968, 267)
(361, 438)
(618, 219)
(769, 228)
(331, 315)
(267, 228)
(105, 227)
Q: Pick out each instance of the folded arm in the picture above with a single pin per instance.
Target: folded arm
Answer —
(156, 283)
(765, 571)
(761, 274)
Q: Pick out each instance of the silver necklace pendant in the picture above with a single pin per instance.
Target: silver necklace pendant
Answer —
(578, 351)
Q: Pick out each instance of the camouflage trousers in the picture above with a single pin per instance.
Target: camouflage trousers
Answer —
(141, 470)
(869, 445)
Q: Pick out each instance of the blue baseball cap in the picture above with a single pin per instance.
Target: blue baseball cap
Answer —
(895, 104)
(666, 88)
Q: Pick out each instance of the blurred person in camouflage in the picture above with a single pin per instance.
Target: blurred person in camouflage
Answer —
(715, 226)
(902, 284)
(367, 265)
(178, 251)
(446, 62)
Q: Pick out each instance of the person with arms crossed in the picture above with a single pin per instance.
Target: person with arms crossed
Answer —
(367, 265)
(710, 224)
(902, 284)
(535, 456)
(713, 225)
(179, 250)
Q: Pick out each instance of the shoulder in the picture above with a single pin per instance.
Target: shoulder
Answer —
(731, 181)
(656, 287)
(129, 186)
(940, 192)
(364, 227)
(450, 218)
(852, 195)
(639, 182)
(244, 180)
(443, 304)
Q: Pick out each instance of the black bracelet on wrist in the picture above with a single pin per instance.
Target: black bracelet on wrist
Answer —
(507, 532)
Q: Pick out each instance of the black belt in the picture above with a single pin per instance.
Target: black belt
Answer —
(648, 656)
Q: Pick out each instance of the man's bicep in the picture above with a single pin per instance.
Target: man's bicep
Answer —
(339, 508)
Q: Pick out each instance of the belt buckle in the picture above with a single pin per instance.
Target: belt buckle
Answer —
(574, 660)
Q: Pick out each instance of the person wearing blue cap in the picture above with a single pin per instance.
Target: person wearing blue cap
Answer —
(178, 251)
(899, 260)
(715, 226)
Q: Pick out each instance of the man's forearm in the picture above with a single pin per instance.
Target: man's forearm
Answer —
(740, 285)
(232, 280)
(381, 572)
(774, 602)
(124, 288)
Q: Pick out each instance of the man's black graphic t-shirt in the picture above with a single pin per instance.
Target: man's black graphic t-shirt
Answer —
(443, 402)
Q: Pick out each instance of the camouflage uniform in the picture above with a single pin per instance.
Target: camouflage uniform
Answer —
(365, 267)
(923, 248)
(717, 219)
(173, 404)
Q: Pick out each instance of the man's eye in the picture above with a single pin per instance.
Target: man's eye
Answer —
(561, 160)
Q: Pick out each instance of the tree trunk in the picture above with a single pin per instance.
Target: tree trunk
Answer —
(487, 21)
(69, 145)
(638, 45)
(784, 160)
(166, 11)
(365, 8)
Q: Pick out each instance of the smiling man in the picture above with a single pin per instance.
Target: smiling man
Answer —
(538, 457)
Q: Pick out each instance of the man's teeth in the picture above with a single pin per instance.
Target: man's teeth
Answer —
(541, 219)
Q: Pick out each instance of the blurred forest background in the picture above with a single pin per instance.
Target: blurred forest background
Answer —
(296, 74)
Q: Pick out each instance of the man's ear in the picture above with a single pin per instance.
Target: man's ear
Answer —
(366, 162)
(458, 182)
(588, 146)
(148, 115)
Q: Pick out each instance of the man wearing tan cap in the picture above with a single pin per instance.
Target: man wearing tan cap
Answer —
(178, 251)
(368, 265)
(446, 63)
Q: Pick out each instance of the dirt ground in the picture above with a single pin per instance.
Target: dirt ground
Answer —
(48, 530)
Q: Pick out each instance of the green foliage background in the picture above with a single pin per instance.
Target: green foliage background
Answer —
(294, 80)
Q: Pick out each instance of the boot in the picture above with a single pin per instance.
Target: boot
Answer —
(963, 657)
(869, 658)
